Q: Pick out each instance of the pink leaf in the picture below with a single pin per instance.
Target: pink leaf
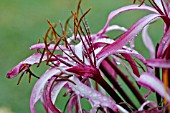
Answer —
(127, 36)
(148, 42)
(96, 97)
(162, 63)
(50, 47)
(37, 91)
(165, 41)
(48, 99)
(24, 65)
(124, 9)
(149, 81)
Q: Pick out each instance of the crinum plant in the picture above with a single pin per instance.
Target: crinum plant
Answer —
(90, 66)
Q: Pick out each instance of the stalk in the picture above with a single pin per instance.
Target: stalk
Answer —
(165, 76)
(127, 81)
(110, 91)
(107, 73)
(157, 74)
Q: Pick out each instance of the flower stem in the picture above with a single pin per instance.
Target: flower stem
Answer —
(107, 72)
(127, 81)
(157, 74)
(110, 91)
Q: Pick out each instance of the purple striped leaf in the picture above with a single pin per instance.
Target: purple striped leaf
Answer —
(161, 63)
(151, 82)
(127, 36)
(24, 65)
(38, 89)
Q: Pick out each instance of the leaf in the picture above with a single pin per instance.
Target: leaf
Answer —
(127, 36)
(148, 42)
(150, 82)
(38, 88)
(165, 41)
(24, 65)
(92, 95)
(124, 9)
(161, 63)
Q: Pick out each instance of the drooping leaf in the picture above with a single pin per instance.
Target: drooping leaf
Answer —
(150, 82)
(127, 36)
(24, 65)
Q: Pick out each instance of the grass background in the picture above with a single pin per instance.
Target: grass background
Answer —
(23, 22)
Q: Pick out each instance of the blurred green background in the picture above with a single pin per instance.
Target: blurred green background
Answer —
(23, 22)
